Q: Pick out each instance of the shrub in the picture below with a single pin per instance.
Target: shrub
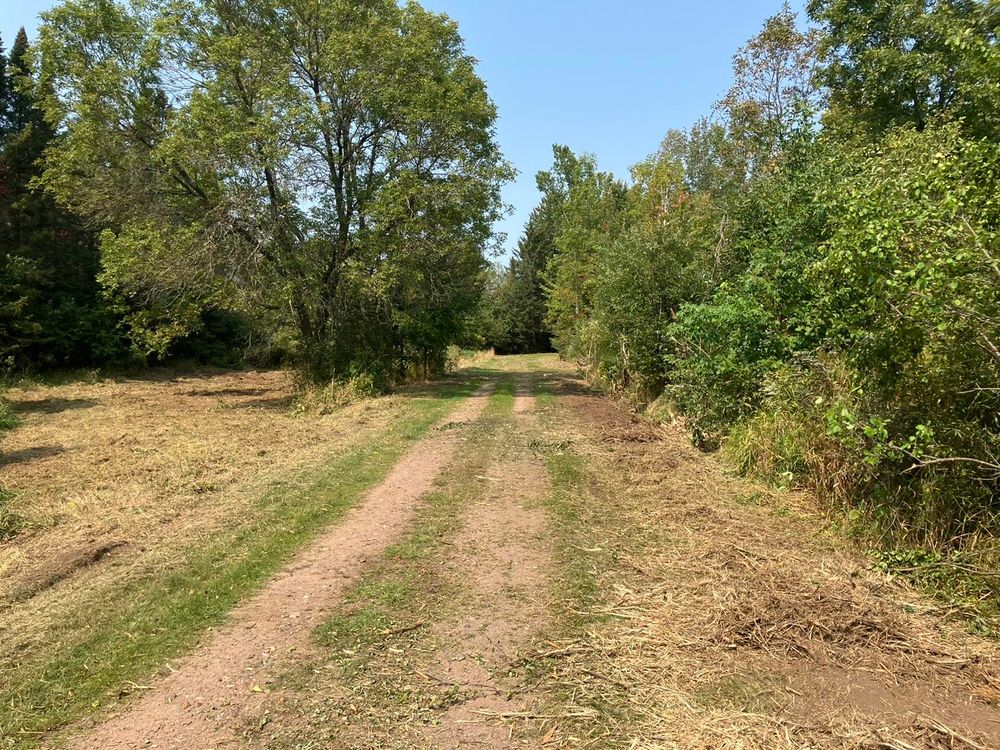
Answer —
(722, 352)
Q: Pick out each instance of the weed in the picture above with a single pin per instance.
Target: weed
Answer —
(10, 522)
(8, 420)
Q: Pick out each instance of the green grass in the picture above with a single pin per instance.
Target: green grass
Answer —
(8, 420)
(569, 483)
(575, 512)
(390, 593)
(10, 522)
(156, 618)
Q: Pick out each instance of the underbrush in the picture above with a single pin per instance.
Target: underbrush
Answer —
(457, 357)
(336, 394)
(343, 391)
(8, 420)
(935, 523)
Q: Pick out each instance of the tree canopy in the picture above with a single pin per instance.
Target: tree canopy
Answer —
(328, 165)
(810, 274)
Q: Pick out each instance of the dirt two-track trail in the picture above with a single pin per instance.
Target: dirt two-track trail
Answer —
(204, 697)
(546, 569)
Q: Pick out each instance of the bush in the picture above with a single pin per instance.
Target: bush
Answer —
(8, 420)
(805, 432)
(722, 353)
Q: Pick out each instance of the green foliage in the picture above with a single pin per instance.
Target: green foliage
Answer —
(52, 311)
(10, 522)
(825, 303)
(511, 315)
(327, 166)
(889, 63)
(8, 420)
(723, 352)
(592, 207)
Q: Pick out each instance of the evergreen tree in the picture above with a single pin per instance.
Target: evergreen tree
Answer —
(4, 96)
(527, 295)
(51, 308)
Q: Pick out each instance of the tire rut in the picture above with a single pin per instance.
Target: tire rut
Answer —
(204, 700)
(503, 558)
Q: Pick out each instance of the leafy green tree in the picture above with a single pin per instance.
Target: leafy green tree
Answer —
(592, 216)
(773, 92)
(910, 285)
(905, 62)
(330, 165)
(671, 252)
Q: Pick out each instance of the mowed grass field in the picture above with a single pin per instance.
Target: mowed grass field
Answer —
(570, 575)
(139, 511)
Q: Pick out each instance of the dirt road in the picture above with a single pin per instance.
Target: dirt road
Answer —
(544, 569)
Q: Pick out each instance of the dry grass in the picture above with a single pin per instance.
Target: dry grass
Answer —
(132, 473)
(730, 617)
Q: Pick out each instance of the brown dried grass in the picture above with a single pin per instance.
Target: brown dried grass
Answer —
(141, 470)
(731, 617)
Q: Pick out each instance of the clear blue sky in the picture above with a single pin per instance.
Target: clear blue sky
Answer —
(600, 76)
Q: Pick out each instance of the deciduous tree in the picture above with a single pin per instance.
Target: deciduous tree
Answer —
(328, 163)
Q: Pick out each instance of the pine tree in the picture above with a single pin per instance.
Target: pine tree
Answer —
(537, 245)
(51, 308)
(16, 273)
(4, 89)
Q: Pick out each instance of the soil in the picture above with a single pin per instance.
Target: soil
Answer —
(503, 561)
(209, 694)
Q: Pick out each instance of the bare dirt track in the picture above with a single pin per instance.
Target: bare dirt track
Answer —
(547, 569)
(503, 557)
(210, 694)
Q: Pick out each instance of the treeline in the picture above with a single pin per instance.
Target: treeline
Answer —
(812, 274)
(52, 311)
(285, 179)
(55, 312)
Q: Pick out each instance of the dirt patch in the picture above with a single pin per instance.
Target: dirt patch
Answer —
(60, 567)
(525, 407)
(776, 633)
(503, 562)
(216, 690)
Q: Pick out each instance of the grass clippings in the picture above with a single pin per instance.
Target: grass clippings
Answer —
(78, 637)
(704, 612)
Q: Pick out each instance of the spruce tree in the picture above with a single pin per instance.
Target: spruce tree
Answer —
(4, 89)
(537, 245)
(51, 309)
